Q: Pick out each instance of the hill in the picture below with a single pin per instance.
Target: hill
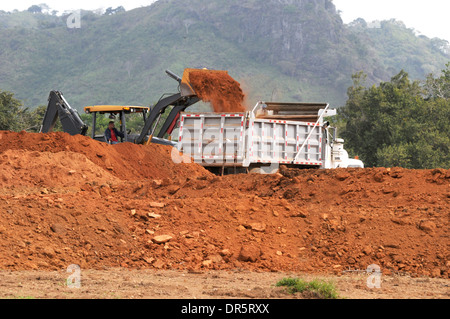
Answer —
(279, 50)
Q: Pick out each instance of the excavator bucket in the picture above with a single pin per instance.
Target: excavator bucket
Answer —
(179, 101)
(185, 84)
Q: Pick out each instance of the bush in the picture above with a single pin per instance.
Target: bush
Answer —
(318, 288)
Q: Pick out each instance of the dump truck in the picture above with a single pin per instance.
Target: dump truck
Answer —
(271, 134)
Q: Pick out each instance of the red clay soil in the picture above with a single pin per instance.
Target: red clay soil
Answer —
(123, 160)
(218, 88)
(72, 200)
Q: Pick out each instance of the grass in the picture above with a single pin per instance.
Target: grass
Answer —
(19, 297)
(318, 288)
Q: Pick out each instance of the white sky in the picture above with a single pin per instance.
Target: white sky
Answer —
(430, 17)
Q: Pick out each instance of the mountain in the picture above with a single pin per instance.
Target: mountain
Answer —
(290, 50)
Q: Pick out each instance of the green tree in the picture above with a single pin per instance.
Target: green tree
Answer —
(32, 120)
(12, 112)
(439, 87)
(398, 123)
(15, 117)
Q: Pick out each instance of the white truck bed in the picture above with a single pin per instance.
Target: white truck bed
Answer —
(246, 139)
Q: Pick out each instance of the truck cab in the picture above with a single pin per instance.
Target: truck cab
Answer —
(334, 153)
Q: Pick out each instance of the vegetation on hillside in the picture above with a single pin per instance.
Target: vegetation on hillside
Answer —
(296, 51)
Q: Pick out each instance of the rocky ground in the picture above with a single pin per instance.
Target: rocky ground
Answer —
(71, 200)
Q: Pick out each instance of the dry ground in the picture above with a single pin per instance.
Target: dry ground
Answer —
(166, 284)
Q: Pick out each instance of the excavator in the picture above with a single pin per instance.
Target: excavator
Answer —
(72, 123)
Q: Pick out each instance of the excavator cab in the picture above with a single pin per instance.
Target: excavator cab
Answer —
(115, 112)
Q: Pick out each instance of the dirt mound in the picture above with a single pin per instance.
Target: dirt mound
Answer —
(126, 161)
(317, 221)
(50, 170)
(218, 88)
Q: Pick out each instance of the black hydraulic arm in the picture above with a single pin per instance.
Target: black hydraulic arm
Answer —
(179, 101)
(174, 115)
(69, 117)
(155, 112)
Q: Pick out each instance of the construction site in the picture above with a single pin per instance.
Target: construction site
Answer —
(130, 210)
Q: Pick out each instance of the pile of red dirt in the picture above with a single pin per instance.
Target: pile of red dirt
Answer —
(126, 161)
(20, 169)
(180, 216)
(219, 88)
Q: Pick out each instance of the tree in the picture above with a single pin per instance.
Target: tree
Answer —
(439, 87)
(44, 8)
(11, 112)
(398, 123)
(32, 120)
(35, 9)
(111, 11)
(15, 117)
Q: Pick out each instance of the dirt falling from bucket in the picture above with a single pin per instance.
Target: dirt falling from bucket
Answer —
(218, 88)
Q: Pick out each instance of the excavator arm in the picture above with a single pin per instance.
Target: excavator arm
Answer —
(174, 115)
(69, 117)
(179, 101)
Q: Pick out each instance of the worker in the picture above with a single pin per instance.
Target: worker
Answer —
(112, 134)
